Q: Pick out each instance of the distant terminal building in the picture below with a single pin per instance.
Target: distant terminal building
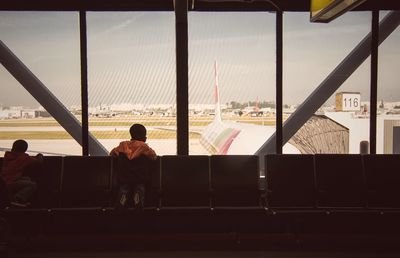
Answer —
(21, 112)
(42, 113)
(16, 112)
(321, 135)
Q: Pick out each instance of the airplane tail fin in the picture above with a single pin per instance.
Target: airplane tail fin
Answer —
(216, 95)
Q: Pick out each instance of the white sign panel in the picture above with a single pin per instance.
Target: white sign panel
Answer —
(351, 101)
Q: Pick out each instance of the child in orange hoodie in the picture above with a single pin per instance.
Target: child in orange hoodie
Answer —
(134, 159)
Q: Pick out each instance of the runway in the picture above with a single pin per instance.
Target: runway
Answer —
(71, 147)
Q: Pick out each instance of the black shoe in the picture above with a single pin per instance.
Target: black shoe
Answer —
(122, 200)
(138, 200)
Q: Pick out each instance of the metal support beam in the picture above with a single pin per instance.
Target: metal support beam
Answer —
(84, 84)
(279, 80)
(182, 91)
(331, 83)
(44, 96)
(374, 81)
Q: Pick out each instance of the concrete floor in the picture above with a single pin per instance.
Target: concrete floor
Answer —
(205, 254)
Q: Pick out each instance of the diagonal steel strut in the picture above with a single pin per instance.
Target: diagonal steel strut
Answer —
(47, 99)
(331, 83)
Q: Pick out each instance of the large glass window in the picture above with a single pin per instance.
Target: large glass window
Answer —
(131, 69)
(311, 53)
(48, 44)
(132, 79)
(236, 52)
(388, 120)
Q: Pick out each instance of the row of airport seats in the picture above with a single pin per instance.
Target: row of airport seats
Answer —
(333, 181)
(210, 182)
(76, 181)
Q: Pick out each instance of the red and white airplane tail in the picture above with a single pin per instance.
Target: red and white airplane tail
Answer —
(229, 137)
(216, 95)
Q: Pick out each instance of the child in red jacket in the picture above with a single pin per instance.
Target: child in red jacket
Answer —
(134, 162)
(16, 169)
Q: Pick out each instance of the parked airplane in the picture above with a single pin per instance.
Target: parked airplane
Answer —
(251, 110)
(228, 137)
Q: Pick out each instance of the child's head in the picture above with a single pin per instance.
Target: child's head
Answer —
(138, 132)
(19, 146)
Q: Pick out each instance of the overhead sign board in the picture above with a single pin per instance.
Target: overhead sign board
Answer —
(327, 10)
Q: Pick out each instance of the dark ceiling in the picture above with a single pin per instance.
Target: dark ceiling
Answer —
(167, 5)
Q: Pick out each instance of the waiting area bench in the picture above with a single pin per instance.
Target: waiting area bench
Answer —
(300, 195)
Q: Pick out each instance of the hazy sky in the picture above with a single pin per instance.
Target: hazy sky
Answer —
(131, 56)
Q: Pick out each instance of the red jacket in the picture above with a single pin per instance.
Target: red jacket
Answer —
(14, 164)
(134, 149)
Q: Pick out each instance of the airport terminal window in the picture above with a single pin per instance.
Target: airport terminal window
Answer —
(48, 44)
(311, 53)
(131, 77)
(242, 46)
(388, 119)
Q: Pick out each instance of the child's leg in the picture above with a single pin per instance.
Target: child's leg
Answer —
(22, 190)
(138, 196)
(122, 198)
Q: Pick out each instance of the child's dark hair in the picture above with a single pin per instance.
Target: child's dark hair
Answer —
(19, 146)
(138, 132)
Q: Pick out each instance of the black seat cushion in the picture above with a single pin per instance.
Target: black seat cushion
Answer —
(234, 180)
(86, 181)
(290, 180)
(383, 180)
(185, 181)
(340, 180)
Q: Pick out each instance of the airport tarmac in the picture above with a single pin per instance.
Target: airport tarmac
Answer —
(71, 147)
(91, 128)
